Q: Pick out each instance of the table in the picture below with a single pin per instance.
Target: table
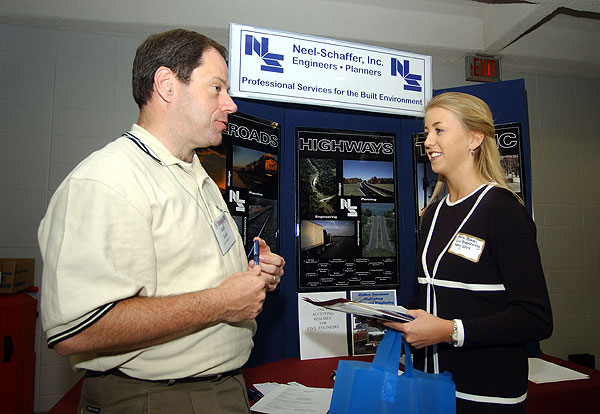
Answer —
(578, 397)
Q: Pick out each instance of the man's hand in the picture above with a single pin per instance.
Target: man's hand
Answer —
(242, 295)
(270, 264)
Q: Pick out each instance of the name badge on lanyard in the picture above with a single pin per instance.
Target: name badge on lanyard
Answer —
(223, 233)
(467, 246)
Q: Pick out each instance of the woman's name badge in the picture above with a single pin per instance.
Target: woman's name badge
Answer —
(223, 233)
(467, 246)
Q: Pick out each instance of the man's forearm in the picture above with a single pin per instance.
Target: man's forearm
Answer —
(139, 322)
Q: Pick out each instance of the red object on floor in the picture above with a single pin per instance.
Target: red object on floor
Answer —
(17, 352)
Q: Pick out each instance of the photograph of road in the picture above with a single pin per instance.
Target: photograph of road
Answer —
(368, 178)
(262, 222)
(213, 160)
(318, 184)
(378, 230)
(327, 239)
(254, 170)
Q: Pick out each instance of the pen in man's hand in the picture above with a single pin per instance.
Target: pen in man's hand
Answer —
(256, 252)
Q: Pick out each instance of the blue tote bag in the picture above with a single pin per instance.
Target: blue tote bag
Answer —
(376, 388)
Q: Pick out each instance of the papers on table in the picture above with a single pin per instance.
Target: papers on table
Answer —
(541, 371)
(369, 310)
(292, 398)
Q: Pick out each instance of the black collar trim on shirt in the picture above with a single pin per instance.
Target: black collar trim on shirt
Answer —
(141, 146)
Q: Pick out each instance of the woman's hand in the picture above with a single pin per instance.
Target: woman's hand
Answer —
(424, 330)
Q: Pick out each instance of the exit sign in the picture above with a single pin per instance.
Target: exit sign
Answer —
(482, 68)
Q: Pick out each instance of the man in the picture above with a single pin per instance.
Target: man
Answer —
(145, 283)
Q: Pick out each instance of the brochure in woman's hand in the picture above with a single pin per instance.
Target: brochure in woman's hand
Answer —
(368, 310)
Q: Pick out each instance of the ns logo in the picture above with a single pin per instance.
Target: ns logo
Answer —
(240, 204)
(346, 204)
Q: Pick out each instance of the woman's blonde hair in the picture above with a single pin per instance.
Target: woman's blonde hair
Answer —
(476, 116)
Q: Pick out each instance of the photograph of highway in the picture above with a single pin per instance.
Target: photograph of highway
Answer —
(378, 230)
(327, 239)
(368, 178)
(254, 170)
(318, 185)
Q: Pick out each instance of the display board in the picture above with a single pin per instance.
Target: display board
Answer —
(245, 168)
(346, 187)
(278, 333)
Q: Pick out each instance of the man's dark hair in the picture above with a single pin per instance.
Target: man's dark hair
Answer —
(179, 50)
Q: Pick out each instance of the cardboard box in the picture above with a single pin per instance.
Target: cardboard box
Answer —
(16, 274)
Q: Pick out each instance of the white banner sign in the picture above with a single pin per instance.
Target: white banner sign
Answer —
(278, 66)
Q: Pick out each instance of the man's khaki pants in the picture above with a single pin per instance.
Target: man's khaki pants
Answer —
(114, 394)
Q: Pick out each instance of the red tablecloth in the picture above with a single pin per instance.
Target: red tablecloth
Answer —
(576, 397)
(567, 397)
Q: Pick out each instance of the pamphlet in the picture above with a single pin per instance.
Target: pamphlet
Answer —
(394, 313)
(365, 336)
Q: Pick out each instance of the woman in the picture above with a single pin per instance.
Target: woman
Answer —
(481, 287)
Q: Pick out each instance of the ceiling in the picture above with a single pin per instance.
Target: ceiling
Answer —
(558, 37)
